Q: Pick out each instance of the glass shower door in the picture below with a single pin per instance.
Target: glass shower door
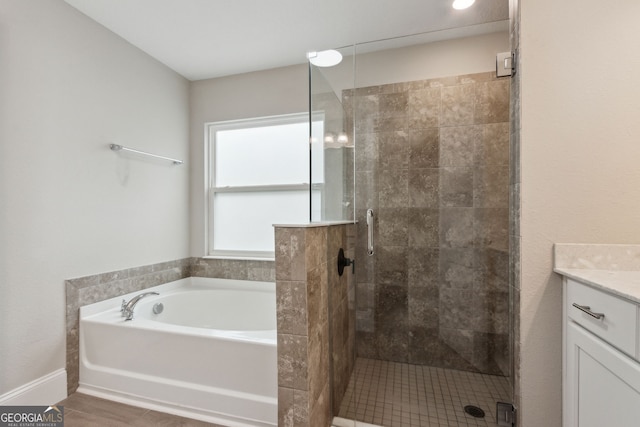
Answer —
(432, 162)
(332, 201)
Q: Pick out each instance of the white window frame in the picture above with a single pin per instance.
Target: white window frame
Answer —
(211, 189)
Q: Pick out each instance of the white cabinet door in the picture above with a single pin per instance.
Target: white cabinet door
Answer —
(603, 383)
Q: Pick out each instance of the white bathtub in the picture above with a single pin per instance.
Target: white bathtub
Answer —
(210, 354)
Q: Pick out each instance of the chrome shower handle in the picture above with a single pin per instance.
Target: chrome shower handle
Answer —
(369, 232)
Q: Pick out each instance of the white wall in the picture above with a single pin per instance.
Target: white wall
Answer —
(580, 155)
(69, 206)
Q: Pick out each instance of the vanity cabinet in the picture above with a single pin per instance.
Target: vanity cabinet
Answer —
(601, 366)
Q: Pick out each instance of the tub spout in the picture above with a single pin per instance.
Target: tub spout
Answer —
(127, 307)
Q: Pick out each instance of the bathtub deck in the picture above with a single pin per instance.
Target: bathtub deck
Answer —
(81, 410)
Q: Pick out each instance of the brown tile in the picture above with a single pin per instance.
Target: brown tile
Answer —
(290, 253)
(316, 311)
(292, 361)
(492, 146)
(492, 101)
(320, 414)
(73, 371)
(458, 342)
(491, 312)
(392, 345)
(393, 270)
(424, 188)
(367, 152)
(318, 355)
(393, 226)
(393, 104)
(365, 295)
(456, 187)
(285, 407)
(393, 188)
(491, 228)
(366, 189)
(458, 145)
(424, 346)
(491, 270)
(457, 309)
(315, 247)
(457, 268)
(424, 107)
(456, 227)
(490, 353)
(423, 307)
(301, 409)
(299, 308)
(393, 150)
(423, 267)
(391, 309)
(365, 322)
(458, 103)
(424, 227)
(491, 187)
(424, 148)
(284, 307)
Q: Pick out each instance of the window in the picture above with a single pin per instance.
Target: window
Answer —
(258, 176)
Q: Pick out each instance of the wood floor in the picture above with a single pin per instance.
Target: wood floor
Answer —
(81, 410)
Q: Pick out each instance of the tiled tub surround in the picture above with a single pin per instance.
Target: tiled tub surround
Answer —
(316, 322)
(90, 289)
(432, 160)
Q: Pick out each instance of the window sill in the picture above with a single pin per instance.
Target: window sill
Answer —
(239, 257)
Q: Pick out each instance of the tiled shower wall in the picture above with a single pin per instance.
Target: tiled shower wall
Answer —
(89, 289)
(316, 322)
(432, 160)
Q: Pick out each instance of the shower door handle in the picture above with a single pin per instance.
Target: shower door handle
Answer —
(369, 232)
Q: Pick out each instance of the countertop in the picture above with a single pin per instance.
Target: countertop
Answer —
(625, 284)
(611, 268)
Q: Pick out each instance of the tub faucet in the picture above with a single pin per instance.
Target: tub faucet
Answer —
(127, 307)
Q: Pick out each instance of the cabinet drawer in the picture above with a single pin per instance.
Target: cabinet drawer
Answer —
(619, 324)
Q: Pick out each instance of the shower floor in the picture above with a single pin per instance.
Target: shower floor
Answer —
(402, 395)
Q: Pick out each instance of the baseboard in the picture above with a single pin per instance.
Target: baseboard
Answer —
(46, 390)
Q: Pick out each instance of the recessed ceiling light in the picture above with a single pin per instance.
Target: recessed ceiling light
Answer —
(462, 4)
(325, 58)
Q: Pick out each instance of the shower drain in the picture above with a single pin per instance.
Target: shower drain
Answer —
(474, 411)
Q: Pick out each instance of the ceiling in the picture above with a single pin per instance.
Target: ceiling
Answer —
(203, 39)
